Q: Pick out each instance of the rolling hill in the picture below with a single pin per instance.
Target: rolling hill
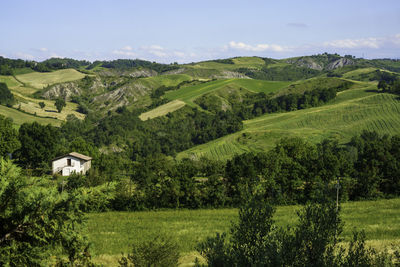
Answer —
(354, 110)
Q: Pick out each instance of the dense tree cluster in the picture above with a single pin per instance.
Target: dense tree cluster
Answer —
(6, 97)
(286, 73)
(134, 63)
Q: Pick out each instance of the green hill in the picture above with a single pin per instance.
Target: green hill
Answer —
(354, 110)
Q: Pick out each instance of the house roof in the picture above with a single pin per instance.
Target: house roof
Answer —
(75, 155)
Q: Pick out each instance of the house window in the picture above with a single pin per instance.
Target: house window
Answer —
(68, 162)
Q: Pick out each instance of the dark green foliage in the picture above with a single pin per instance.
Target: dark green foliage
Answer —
(8, 137)
(42, 105)
(162, 251)
(287, 73)
(60, 104)
(224, 61)
(6, 97)
(35, 219)
(64, 63)
(256, 241)
(38, 144)
(133, 63)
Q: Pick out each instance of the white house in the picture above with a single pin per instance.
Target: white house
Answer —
(71, 162)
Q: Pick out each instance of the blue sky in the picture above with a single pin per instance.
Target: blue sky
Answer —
(187, 30)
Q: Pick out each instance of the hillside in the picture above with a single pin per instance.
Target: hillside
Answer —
(354, 110)
(236, 86)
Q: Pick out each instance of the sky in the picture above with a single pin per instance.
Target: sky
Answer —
(188, 30)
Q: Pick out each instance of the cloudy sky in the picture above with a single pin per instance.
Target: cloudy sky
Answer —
(190, 30)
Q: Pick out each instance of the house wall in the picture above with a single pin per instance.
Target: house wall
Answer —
(59, 164)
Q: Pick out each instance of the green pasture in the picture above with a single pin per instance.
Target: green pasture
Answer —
(112, 233)
(350, 113)
(162, 110)
(40, 80)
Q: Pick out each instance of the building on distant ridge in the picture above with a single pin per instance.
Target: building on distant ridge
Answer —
(71, 163)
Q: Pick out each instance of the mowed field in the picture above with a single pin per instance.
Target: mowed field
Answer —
(40, 80)
(353, 111)
(112, 233)
(24, 85)
(162, 110)
(19, 117)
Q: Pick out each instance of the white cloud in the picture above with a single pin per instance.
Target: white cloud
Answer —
(22, 55)
(155, 50)
(256, 48)
(123, 53)
(356, 43)
(127, 48)
(43, 49)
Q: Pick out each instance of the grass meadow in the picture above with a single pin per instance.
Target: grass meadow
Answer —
(353, 111)
(112, 233)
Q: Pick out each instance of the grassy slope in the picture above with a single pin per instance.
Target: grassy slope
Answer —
(351, 112)
(162, 110)
(190, 93)
(40, 80)
(242, 62)
(27, 84)
(20, 117)
(112, 232)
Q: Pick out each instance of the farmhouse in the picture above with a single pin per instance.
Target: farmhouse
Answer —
(70, 163)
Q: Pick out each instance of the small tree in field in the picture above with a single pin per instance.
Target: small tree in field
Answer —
(42, 105)
(60, 104)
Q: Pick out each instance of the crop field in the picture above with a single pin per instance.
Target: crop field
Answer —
(351, 112)
(189, 93)
(40, 80)
(21, 117)
(162, 110)
(112, 233)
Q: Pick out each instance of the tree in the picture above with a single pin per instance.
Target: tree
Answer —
(6, 97)
(42, 105)
(8, 137)
(38, 144)
(60, 104)
(35, 219)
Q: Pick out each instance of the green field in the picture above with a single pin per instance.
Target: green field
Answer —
(111, 233)
(21, 117)
(351, 112)
(190, 93)
(162, 110)
(40, 80)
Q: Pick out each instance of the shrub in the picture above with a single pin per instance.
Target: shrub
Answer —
(160, 251)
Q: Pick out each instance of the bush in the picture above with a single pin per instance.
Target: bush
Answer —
(161, 251)
(256, 241)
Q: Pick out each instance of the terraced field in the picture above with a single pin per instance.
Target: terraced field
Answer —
(190, 93)
(351, 112)
(39, 80)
